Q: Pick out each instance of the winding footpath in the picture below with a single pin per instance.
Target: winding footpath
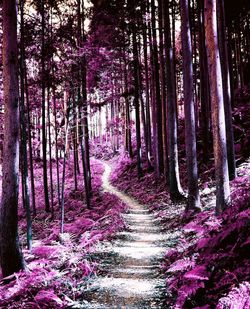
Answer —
(131, 262)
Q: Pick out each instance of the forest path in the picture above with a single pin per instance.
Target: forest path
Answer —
(130, 264)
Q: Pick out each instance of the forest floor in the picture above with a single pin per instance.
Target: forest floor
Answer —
(206, 263)
(130, 275)
(134, 248)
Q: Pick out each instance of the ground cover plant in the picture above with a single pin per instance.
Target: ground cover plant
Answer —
(207, 259)
(59, 265)
(124, 154)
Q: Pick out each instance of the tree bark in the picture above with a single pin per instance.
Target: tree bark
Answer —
(147, 86)
(158, 106)
(128, 144)
(44, 137)
(11, 257)
(50, 158)
(217, 106)
(32, 178)
(163, 90)
(136, 103)
(190, 127)
(23, 126)
(83, 108)
(204, 87)
(174, 177)
(226, 89)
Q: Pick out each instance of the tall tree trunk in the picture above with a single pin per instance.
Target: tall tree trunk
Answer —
(190, 132)
(50, 158)
(83, 109)
(32, 178)
(112, 115)
(127, 110)
(64, 171)
(226, 88)
(163, 90)
(152, 85)
(192, 22)
(11, 258)
(56, 148)
(204, 86)
(174, 177)
(217, 106)
(23, 122)
(136, 102)
(44, 137)
(143, 116)
(176, 74)
(158, 106)
(147, 86)
(74, 137)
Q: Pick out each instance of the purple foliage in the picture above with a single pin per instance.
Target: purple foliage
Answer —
(238, 297)
(221, 248)
(212, 253)
(58, 262)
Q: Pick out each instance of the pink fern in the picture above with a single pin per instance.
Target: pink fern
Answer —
(237, 298)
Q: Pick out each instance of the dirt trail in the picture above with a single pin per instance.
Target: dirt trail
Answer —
(131, 262)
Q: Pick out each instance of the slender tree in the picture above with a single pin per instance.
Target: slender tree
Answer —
(159, 168)
(217, 106)
(226, 88)
(128, 143)
(136, 101)
(11, 257)
(147, 86)
(23, 126)
(204, 87)
(174, 177)
(163, 89)
(32, 178)
(83, 107)
(44, 135)
(190, 132)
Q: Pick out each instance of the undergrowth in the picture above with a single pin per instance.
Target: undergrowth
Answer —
(207, 260)
(59, 265)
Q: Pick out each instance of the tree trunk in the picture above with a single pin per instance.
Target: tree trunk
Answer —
(174, 178)
(128, 144)
(44, 137)
(147, 86)
(56, 149)
(204, 87)
(163, 90)
(10, 252)
(50, 158)
(23, 126)
(158, 106)
(64, 171)
(226, 89)
(152, 87)
(74, 137)
(190, 128)
(136, 102)
(32, 178)
(143, 117)
(83, 109)
(217, 106)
